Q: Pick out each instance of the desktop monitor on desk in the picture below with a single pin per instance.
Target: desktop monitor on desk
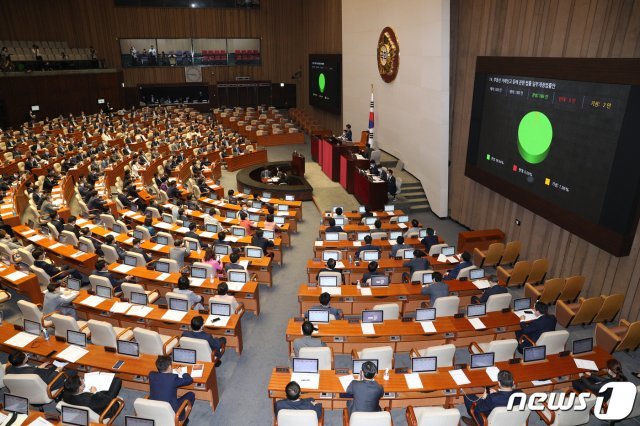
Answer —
(103, 291)
(117, 228)
(266, 195)
(268, 234)
(330, 254)
(534, 354)
(289, 198)
(279, 220)
(483, 360)
(407, 254)
(125, 347)
(220, 309)
(422, 233)
(476, 310)
(73, 283)
(211, 227)
(372, 316)
(370, 255)
(283, 208)
(379, 281)
(305, 365)
(448, 251)
(84, 247)
(476, 274)
(193, 245)
(254, 253)
(222, 249)
(403, 219)
(237, 276)
(582, 346)
(161, 239)
(162, 267)
(75, 416)
(427, 278)
(389, 208)
(239, 231)
(198, 272)
(362, 209)
(15, 404)
(328, 281)
(77, 338)
(361, 235)
(167, 218)
(332, 236)
(138, 234)
(426, 314)
(130, 260)
(138, 421)
(522, 304)
(318, 316)
(181, 305)
(230, 214)
(254, 217)
(424, 364)
(339, 221)
(393, 235)
(139, 298)
(184, 356)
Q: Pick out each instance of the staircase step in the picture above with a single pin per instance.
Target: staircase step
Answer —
(412, 185)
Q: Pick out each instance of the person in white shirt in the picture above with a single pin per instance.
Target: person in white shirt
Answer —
(223, 297)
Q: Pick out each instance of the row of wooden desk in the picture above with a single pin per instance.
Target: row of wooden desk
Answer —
(241, 161)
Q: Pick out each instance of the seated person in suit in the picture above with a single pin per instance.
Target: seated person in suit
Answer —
(399, 245)
(195, 300)
(436, 289)
(101, 270)
(191, 233)
(55, 273)
(75, 393)
(332, 226)
(18, 361)
(110, 241)
(54, 301)
(372, 270)
(164, 384)
(452, 274)
(234, 258)
(418, 263)
(429, 240)
(217, 345)
(137, 249)
(307, 340)
(259, 240)
(592, 383)
(223, 297)
(488, 401)
(294, 402)
(366, 391)
(338, 212)
(373, 168)
(325, 303)
(414, 230)
(331, 267)
(71, 226)
(533, 329)
(148, 223)
(494, 289)
(179, 252)
(367, 246)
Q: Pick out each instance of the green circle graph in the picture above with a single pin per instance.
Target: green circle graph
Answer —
(535, 134)
(321, 82)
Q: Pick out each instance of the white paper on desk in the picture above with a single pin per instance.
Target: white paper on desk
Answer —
(182, 229)
(452, 259)
(222, 322)
(173, 315)
(122, 268)
(55, 246)
(40, 421)
(235, 285)
(357, 243)
(15, 276)
(129, 241)
(541, 382)
(158, 247)
(69, 295)
(100, 380)
(93, 301)
(428, 327)
(72, 353)
(180, 371)
(163, 225)
(481, 284)
(196, 282)
(365, 291)
(367, 328)
(35, 238)
(477, 323)
(206, 234)
(139, 311)
(306, 380)
(163, 276)
(340, 265)
(197, 370)
(282, 213)
(21, 339)
(120, 307)
(334, 291)
(128, 213)
(527, 316)
(371, 226)
(138, 217)
(231, 238)
(29, 232)
(586, 364)
(317, 243)
(114, 234)
(90, 225)
(492, 372)
(442, 258)
(459, 377)
(244, 263)
(345, 381)
(413, 381)
(253, 210)
(402, 226)
(228, 220)
(77, 254)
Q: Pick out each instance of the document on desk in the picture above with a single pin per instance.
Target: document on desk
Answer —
(586, 364)
(459, 377)
(357, 243)
(123, 269)
(21, 339)
(72, 353)
(253, 210)
(442, 258)
(244, 263)
(139, 311)
(163, 276)
(120, 307)
(40, 421)
(345, 381)
(365, 291)
(340, 265)
(182, 230)
(481, 284)
(477, 323)
(453, 259)
(173, 315)
(333, 291)
(55, 246)
(197, 370)
(129, 213)
(528, 315)
(15, 276)
(163, 225)
(222, 322)
(69, 295)
(367, 328)
(114, 234)
(306, 380)
(206, 234)
(129, 241)
(371, 226)
(541, 382)
(35, 238)
(158, 247)
(282, 213)
(235, 285)
(100, 380)
(93, 301)
(196, 282)
(413, 381)
(77, 254)
(317, 243)
(492, 372)
(428, 327)
(402, 225)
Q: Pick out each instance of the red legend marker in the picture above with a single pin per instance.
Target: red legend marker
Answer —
(515, 168)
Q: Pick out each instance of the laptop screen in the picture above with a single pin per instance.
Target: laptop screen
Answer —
(522, 304)
(185, 223)
(581, 346)
(254, 217)
(403, 219)
(246, 191)
(75, 416)
(407, 254)
(256, 204)
(332, 236)
(483, 360)
(32, 327)
(422, 233)
(389, 208)
(83, 247)
(279, 220)
(73, 283)
(426, 314)
(369, 220)
(372, 316)
(211, 227)
(361, 235)
(139, 298)
(393, 235)
(237, 276)
(357, 364)
(424, 364)
(330, 254)
(318, 315)
(193, 245)
(362, 209)
(138, 421)
(76, 338)
(255, 253)
(184, 356)
(239, 232)
(289, 198)
(162, 267)
(197, 272)
(379, 281)
(427, 278)
(138, 234)
(130, 260)
(305, 365)
(266, 195)
(222, 249)
(127, 348)
(178, 304)
(103, 291)
(476, 274)
(167, 218)
(270, 235)
(223, 309)
(448, 251)
(476, 310)
(370, 255)
(117, 228)
(327, 281)
(534, 353)
(16, 404)
(283, 208)
(160, 239)
(339, 221)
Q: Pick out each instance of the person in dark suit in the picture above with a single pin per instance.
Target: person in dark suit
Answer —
(173, 192)
(418, 263)
(494, 289)
(366, 391)
(75, 393)
(137, 249)
(372, 271)
(325, 303)
(592, 383)
(217, 345)
(367, 246)
(164, 384)
(436, 289)
(392, 187)
(333, 227)
(452, 274)
(348, 134)
(55, 273)
(373, 168)
(399, 245)
(366, 153)
(259, 240)
(533, 329)
(476, 406)
(56, 221)
(331, 267)
(71, 226)
(294, 402)
(429, 240)
(191, 233)
(19, 364)
(101, 270)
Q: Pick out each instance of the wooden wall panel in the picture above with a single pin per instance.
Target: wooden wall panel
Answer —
(565, 28)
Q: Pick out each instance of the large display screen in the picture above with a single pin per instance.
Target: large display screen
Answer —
(562, 144)
(325, 82)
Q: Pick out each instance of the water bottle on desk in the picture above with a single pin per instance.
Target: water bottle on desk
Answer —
(45, 333)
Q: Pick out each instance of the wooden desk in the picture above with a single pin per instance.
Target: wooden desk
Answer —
(349, 166)
(369, 193)
(349, 249)
(291, 217)
(261, 267)
(245, 160)
(133, 373)
(355, 218)
(353, 229)
(560, 370)
(481, 239)
(153, 321)
(27, 285)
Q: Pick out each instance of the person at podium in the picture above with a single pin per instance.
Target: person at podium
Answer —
(348, 134)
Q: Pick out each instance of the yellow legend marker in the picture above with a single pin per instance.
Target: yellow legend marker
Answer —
(547, 181)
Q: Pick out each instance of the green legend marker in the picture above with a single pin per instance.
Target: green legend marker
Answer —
(321, 82)
(488, 157)
(535, 134)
